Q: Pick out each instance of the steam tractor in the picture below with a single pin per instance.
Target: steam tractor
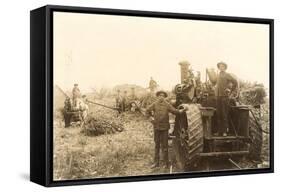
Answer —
(194, 135)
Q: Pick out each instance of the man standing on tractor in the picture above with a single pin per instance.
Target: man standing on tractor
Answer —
(159, 112)
(224, 86)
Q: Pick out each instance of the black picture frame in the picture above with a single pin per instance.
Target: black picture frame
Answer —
(41, 94)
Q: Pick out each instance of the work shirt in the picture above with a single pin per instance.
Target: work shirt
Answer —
(76, 92)
(223, 82)
(118, 99)
(161, 114)
(124, 99)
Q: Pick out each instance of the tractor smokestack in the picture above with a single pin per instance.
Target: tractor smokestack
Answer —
(184, 67)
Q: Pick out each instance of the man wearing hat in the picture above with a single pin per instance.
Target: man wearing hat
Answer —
(225, 85)
(75, 94)
(159, 111)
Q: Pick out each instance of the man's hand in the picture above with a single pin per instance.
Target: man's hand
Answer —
(151, 119)
(183, 110)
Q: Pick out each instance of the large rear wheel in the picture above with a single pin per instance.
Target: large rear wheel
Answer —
(188, 143)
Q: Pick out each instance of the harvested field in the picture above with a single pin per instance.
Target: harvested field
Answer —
(130, 152)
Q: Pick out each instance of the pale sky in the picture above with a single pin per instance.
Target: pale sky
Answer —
(103, 50)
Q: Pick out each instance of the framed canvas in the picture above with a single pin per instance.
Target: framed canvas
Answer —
(125, 95)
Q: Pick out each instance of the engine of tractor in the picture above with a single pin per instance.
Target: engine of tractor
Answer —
(197, 132)
(192, 91)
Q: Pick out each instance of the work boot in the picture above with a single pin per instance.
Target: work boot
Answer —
(167, 165)
(155, 165)
(166, 159)
(156, 159)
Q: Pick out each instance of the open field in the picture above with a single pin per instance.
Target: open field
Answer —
(127, 153)
(124, 153)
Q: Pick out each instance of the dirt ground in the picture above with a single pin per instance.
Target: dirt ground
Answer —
(127, 153)
(124, 153)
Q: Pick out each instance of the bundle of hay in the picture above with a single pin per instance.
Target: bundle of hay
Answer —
(95, 127)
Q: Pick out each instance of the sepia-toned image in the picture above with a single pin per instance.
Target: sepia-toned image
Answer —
(149, 96)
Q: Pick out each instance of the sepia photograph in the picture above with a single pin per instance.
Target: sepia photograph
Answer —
(139, 96)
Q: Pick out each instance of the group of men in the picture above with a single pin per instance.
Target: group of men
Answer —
(159, 113)
(124, 101)
(160, 109)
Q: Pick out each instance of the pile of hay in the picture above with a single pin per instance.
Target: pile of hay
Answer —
(99, 126)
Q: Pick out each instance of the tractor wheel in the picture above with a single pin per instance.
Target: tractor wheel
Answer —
(188, 143)
(256, 138)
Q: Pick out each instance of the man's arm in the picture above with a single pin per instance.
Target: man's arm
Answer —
(149, 109)
(172, 109)
(232, 80)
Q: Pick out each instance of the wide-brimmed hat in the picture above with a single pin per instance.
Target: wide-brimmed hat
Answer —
(222, 63)
(159, 92)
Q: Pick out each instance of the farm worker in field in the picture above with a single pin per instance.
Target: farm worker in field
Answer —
(152, 85)
(133, 94)
(159, 111)
(75, 94)
(225, 85)
(118, 100)
(133, 100)
(76, 91)
(124, 101)
(83, 107)
(66, 110)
